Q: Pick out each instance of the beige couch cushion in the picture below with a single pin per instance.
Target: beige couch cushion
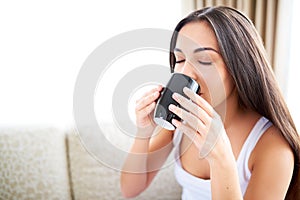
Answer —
(33, 164)
(93, 180)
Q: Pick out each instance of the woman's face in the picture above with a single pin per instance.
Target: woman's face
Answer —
(197, 56)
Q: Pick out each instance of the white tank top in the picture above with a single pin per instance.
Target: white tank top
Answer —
(197, 188)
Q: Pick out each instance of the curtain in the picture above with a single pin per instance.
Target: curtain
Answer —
(267, 16)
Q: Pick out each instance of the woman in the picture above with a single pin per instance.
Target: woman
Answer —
(239, 108)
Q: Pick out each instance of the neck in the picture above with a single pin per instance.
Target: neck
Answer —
(230, 109)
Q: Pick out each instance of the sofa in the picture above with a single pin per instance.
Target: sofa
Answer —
(50, 163)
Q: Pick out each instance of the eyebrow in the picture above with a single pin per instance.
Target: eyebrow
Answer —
(199, 49)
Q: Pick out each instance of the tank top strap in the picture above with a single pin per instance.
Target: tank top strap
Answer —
(258, 130)
(242, 162)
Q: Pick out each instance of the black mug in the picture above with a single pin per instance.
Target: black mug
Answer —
(162, 115)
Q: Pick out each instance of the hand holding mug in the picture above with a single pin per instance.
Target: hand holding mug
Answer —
(144, 109)
(202, 124)
(162, 115)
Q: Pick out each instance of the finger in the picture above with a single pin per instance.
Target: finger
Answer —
(147, 100)
(192, 107)
(189, 132)
(146, 111)
(215, 132)
(193, 121)
(199, 101)
(148, 93)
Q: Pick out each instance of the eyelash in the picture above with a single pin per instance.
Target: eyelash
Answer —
(179, 61)
(202, 63)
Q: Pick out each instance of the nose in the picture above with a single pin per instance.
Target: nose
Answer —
(189, 70)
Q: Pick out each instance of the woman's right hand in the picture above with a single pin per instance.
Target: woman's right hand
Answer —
(144, 110)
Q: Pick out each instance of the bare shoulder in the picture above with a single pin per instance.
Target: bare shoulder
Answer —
(273, 146)
(271, 164)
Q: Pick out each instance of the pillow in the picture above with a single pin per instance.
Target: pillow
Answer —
(33, 164)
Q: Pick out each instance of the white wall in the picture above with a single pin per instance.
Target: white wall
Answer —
(44, 43)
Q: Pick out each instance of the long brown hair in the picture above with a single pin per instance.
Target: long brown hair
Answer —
(244, 55)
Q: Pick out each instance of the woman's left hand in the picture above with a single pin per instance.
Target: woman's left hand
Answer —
(202, 124)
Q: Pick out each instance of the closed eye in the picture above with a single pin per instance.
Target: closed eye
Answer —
(179, 61)
(205, 63)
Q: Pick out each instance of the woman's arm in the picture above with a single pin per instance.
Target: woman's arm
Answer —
(271, 163)
(205, 128)
(144, 160)
(223, 171)
(146, 155)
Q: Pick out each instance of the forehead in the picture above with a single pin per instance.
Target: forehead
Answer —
(196, 34)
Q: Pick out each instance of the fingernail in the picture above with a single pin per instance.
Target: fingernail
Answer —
(186, 89)
(175, 96)
(175, 122)
(172, 107)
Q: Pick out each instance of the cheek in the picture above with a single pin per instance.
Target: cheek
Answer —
(216, 90)
(218, 85)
